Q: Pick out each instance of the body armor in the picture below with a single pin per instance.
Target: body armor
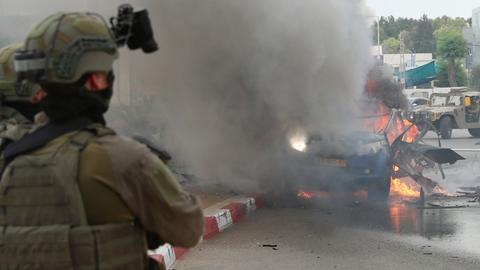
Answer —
(43, 221)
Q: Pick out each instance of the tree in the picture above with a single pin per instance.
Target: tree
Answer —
(391, 45)
(375, 33)
(442, 74)
(451, 46)
(405, 37)
(445, 21)
(421, 36)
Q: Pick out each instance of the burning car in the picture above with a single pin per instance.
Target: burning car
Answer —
(367, 161)
(359, 162)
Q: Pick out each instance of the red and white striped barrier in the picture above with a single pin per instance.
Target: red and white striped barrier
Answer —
(217, 218)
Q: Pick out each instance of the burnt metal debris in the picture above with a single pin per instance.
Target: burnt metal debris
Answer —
(470, 192)
(412, 158)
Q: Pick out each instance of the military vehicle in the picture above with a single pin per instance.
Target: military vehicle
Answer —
(458, 109)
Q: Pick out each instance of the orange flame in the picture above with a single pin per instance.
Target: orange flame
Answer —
(403, 189)
(394, 127)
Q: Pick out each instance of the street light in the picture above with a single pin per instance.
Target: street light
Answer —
(377, 18)
(378, 36)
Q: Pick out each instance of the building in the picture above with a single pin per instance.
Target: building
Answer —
(472, 36)
(409, 60)
(395, 61)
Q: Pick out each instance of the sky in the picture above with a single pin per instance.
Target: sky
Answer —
(416, 8)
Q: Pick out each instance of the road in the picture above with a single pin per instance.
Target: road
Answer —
(342, 234)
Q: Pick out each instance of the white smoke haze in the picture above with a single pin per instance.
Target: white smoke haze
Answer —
(235, 77)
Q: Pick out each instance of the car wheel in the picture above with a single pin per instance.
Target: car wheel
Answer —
(445, 127)
(475, 132)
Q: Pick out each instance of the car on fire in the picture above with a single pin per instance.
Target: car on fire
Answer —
(458, 109)
(366, 161)
(353, 163)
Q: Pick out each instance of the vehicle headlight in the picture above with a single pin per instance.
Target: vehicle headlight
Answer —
(410, 116)
(299, 142)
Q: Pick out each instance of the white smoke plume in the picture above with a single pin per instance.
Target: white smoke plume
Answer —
(234, 78)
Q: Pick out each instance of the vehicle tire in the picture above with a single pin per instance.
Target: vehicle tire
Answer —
(379, 191)
(475, 132)
(445, 126)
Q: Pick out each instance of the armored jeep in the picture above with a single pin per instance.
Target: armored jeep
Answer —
(458, 109)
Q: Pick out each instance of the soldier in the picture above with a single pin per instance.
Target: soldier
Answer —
(16, 108)
(75, 195)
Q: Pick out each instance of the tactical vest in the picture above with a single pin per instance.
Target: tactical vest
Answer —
(43, 221)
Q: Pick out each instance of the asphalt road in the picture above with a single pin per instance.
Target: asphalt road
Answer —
(342, 234)
(463, 173)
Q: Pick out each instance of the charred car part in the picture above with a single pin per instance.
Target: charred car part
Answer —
(364, 161)
(413, 157)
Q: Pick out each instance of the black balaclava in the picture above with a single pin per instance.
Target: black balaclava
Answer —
(67, 101)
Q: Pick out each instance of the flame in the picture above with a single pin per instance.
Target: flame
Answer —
(443, 192)
(403, 189)
(394, 126)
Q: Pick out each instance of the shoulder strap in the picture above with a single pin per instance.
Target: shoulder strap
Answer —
(42, 136)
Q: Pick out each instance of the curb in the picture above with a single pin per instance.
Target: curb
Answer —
(217, 218)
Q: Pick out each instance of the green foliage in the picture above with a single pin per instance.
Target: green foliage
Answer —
(420, 31)
(442, 74)
(391, 45)
(445, 21)
(450, 43)
(421, 37)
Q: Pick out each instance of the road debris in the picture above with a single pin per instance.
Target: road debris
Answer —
(470, 192)
(269, 245)
(438, 206)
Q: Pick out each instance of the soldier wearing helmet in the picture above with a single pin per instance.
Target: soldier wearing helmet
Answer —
(74, 194)
(16, 108)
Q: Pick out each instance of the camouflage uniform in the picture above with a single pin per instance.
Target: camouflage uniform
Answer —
(13, 125)
(87, 198)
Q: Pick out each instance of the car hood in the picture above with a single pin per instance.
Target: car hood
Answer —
(354, 144)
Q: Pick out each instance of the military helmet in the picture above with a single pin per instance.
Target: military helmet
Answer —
(12, 90)
(65, 46)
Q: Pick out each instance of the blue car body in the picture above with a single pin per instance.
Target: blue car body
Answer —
(360, 161)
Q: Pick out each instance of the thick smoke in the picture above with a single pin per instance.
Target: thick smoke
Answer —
(235, 78)
(382, 87)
